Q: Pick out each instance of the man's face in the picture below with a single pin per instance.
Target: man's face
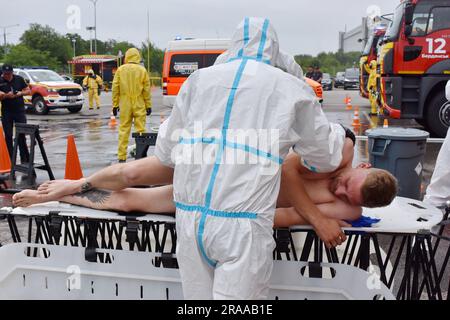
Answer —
(347, 186)
(310, 69)
(8, 75)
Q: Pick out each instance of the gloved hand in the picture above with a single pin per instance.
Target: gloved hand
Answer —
(349, 134)
(149, 112)
(115, 111)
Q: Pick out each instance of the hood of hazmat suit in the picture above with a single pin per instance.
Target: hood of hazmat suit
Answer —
(133, 56)
(231, 127)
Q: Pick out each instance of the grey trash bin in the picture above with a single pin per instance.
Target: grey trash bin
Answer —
(401, 152)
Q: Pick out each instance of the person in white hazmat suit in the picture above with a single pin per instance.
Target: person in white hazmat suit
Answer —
(438, 192)
(225, 210)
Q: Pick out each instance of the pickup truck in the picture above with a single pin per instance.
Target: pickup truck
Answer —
(50, 91)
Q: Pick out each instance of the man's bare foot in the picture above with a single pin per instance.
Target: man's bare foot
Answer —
(27, 198)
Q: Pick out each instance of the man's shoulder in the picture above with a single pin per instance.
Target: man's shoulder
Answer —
(18, 79)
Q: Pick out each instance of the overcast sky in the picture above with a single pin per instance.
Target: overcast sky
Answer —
(303, 26)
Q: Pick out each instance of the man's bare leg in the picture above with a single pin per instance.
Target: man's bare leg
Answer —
(145, 172)
(154, 200)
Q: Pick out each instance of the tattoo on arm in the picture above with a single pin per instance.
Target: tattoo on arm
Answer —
(96, 196)
(87, 186)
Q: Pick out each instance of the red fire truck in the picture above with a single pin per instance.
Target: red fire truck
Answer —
(414, 64)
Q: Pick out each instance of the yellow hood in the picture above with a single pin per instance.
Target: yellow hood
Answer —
(133, 56)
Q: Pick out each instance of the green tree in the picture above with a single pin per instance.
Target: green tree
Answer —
(156, 58)
(21, 55)
(45, 38)
(330, 62)
(82, 46)
(48, 47)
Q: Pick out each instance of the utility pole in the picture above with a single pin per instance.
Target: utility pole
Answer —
(148, 41)
(72, 67)
(74, 41)
(95, 23)
(90, 29)
(4, 33)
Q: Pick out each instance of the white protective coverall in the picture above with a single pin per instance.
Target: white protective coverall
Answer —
(438, 192)
(225, 208)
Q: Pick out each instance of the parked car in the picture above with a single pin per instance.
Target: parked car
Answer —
(339, 81)
(67, 77)
(351, 80)
(327, 82)
(50, 91)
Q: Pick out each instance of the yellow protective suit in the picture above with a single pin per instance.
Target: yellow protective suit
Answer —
(93, 85)
(131, 93)
(372, 88)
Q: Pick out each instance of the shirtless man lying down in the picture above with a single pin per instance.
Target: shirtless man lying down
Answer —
(337, 197)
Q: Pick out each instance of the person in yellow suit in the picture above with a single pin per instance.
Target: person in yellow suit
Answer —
(131, 95)
(372, 88)
(93, 82)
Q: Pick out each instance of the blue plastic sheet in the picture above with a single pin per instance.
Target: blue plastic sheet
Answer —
(364, 222)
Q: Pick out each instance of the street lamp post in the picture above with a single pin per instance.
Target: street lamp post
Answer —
(74, 41)
(95, 23)
(90, 29)
(148, 41)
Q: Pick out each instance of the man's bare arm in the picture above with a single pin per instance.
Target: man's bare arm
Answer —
(347, 161)
(340, 210)
(26, 91)
(327, 229)
(149, 171)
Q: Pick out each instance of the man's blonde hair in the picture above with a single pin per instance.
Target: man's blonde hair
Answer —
(379, 189)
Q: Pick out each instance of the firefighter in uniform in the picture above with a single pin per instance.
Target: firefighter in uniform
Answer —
(372, 87)
(93, 83)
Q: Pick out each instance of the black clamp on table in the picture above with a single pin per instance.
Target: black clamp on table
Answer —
(92, 230)
(131, 232)
(167, 260)
(143, 142)
(55, 224)
(283, 241)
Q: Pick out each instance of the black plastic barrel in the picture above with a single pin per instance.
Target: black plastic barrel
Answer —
(400, 151)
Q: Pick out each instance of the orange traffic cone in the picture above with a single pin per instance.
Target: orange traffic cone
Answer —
(113, 121)
(73, 166)
(346, 99)
(356, 122)
(386, 123)
(349, 104)
(5, 160)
